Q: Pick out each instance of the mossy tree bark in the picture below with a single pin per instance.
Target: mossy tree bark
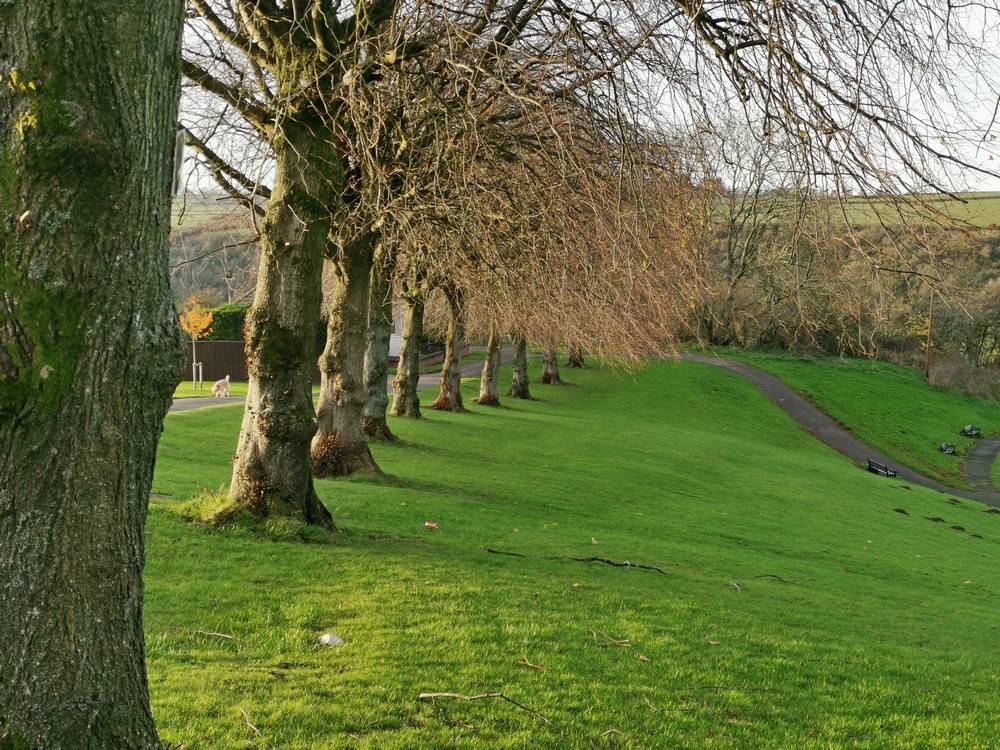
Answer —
(272, 474)
(90, 353)
(519, 382)
(405, 397)
(450, 395)
(489, 381)
(550, 367)
(340, 447)
(575, 358)
(380, 325)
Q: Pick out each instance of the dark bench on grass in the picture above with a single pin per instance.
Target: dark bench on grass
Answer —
(947, 448)
(881, 469)
(971, 431)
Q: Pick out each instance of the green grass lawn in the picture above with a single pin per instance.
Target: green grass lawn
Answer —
(887, 406)
(798, 609)
(186, 389)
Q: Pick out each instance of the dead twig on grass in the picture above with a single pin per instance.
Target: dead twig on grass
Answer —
(216, 635)
(612, 563)
(256, 731)
(776, 578)
(624, 643)
(487, 696)
(539, 667)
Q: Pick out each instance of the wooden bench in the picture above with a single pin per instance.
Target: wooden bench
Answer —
(971, 431)
(881, 469)
(947, 448)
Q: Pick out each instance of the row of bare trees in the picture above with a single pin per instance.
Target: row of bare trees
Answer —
(498, 154)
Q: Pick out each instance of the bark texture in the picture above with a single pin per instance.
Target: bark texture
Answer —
(340, 447)
(575, 357)
(405, 397)
(380, 324)
(90, 353)
(550, 367)
(519, 382)
(450, 395)
(272, 474)
(489, 382)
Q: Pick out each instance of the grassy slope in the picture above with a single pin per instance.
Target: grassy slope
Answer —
(884, 634)
(889, 407)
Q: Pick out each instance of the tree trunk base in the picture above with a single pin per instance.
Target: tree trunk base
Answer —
(550, 379)
(332, 457)
(447, 403)
(407, 411)
(254, 499)
(378, 429)
(489, 400)
(519, 391)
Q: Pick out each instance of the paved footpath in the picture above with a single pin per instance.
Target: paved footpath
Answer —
(427, 382)
(977, 465)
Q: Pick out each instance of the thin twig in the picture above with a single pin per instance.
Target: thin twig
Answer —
(539, 667)
(485, 696)
(625, 643)
(216, 635)
(250, 724)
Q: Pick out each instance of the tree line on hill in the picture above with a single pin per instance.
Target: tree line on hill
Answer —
(508, 162)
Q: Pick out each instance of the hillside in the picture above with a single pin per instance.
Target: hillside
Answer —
(803, 602)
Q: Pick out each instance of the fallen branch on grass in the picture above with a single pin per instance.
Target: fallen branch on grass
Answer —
(503, 552)
(216, 635)
(486, 696)
(602, 560)
(777, 578)
(539, 667)
(612, 563)
(625, 643)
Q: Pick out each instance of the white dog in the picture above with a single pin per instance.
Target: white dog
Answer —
(221, 388)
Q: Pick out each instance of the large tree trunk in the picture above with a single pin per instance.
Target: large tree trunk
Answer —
(489, 382)
(90, 354)
(519, 381)
(550, 367)
(377, 356)
(575, 358)
(450, 396)
(272, 474)
(340, 447)
(405, 397)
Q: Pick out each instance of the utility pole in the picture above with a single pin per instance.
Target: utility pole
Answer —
(930, 339)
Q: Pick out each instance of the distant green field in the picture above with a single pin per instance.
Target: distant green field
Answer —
(887, 406)
(978, 209)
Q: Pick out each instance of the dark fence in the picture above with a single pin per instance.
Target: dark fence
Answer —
(221, 358)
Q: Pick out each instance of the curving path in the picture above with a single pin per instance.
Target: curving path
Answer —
(978, 462)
